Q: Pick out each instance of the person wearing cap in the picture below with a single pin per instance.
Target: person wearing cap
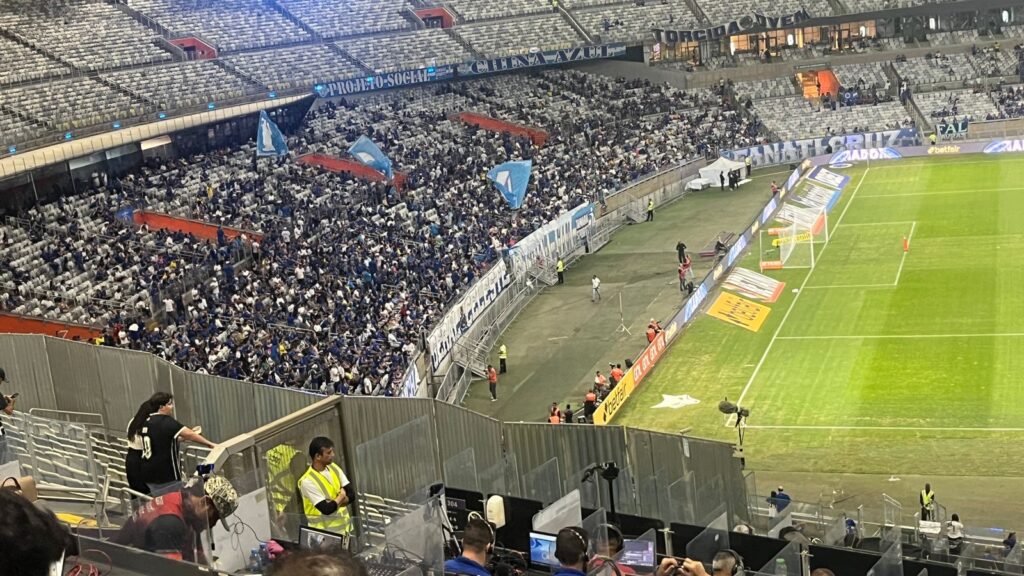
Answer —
(7, 407)
(170, 525)
(326, 491)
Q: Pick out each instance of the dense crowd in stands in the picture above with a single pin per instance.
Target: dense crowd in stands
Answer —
(346, 276)
(1010, 100)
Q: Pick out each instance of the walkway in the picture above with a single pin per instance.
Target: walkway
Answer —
(561, 339)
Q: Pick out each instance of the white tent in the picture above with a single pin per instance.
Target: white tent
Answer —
(721, 166)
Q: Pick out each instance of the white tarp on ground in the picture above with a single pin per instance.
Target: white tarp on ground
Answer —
(711, 171)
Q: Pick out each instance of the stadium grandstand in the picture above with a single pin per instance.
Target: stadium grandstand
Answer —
(301, 287)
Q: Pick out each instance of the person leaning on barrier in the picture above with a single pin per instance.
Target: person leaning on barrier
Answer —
(326, 491)
(160, 432)
(171, 524)
(32, 540)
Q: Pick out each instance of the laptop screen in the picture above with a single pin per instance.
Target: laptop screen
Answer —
(320, 540)
(637, 553)
(542, 549)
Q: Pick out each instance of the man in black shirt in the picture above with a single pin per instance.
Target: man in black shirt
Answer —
(7, 407)
(681, 251)
(160, 463)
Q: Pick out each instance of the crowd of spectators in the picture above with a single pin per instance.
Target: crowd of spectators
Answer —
(345, 277)
(1010, 100)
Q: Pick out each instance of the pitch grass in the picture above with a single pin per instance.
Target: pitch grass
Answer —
(921, 377)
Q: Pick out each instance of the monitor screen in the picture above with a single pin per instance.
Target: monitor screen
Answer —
(320, 540)
(637, 553)
(542, 549)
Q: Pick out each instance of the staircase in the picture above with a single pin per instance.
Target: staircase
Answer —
(235, 71)
(273, 5)
(143, 19)
(121, 89)
(462, 42)
(34, 48)
(568, 17)
(350, 58)
(410, 16)
(698, 11)
(837, 8)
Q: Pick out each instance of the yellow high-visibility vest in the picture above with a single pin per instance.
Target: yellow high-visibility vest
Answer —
(503, 352)
(340, 522)
(926, 498)
(561, 265)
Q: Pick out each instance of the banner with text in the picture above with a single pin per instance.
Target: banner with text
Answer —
(743, 24)
(461, 316)
(541, 58)
(554, 240)
(797, 150)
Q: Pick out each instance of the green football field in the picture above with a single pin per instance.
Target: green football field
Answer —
(877, 360)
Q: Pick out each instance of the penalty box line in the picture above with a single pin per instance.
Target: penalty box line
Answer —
(899, 271)
(757, 369)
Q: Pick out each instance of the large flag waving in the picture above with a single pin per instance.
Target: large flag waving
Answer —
(269, 140)
(368, 153)
(511, 179)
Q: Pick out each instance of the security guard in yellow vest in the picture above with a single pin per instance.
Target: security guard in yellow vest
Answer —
(927, 502)
(502, 357)
(326, 491)
(560, 267)
(747, 163)
(650, 210)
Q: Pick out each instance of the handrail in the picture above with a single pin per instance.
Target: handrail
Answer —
(38, 411)
(220, 453)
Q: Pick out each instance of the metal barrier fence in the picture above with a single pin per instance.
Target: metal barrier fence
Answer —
(62, 375)
(397, 448)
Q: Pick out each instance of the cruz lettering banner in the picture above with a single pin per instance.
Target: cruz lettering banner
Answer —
(797, 150)
(747, 23)
(539, 58)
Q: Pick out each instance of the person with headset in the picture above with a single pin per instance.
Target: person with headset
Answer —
(477, 543)
(727, 563)
(611, 547)
(571, 551)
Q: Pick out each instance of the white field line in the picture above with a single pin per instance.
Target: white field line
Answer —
(889, 285)
(876, 223)
(902, 336)
(940, 192)
(891, 428)
(910, 238)
(899, 272)
(775, 336)
(922, 161)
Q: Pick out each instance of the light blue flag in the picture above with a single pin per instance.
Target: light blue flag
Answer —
(511, 179)
(368, 153)
(269, 140)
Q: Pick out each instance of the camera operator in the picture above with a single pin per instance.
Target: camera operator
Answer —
(477, 542)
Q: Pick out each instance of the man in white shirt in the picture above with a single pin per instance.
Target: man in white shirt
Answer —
(595, 289)
(326, 491)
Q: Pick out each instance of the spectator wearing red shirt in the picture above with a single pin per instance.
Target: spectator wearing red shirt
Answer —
(492, 381)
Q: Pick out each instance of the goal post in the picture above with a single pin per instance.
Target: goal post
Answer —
(796, 242)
